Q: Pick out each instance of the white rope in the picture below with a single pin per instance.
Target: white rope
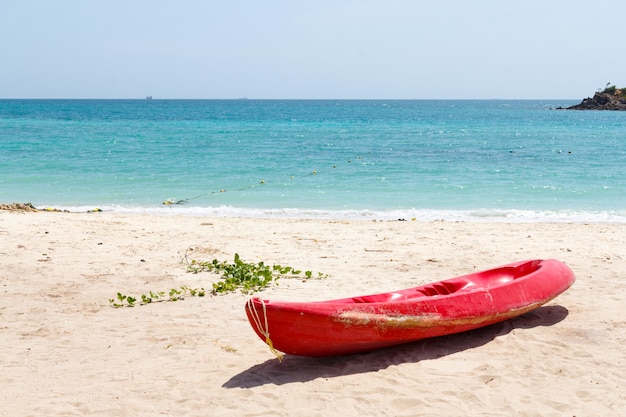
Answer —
(264, 330)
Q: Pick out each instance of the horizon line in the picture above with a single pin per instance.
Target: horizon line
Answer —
(151, 98)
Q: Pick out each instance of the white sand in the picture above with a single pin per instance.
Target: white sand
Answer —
(65, 351)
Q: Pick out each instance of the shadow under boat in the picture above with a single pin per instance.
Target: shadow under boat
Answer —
(301, 369)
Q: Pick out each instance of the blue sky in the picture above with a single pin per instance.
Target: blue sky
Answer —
(402, 49)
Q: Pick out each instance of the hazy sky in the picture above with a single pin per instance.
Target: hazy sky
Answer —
(385, 49)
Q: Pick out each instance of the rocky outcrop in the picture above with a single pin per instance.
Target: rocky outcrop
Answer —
(602, 101)
(31, 208)
(18, 207)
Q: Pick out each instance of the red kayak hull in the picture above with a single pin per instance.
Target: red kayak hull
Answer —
(364, 323)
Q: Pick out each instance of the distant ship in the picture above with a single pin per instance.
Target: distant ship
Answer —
(148, 97)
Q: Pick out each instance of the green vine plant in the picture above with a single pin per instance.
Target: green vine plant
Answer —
(174, 294)
(239, 275)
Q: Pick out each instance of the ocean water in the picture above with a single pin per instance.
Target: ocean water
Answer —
(481, 160)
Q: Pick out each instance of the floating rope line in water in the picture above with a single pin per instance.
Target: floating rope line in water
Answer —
(262, 326)
(172, 201)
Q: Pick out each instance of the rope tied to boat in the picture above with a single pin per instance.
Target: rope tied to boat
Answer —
(262, 325)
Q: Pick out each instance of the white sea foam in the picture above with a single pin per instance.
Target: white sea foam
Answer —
(478, 215)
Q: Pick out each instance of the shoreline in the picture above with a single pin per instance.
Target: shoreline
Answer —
(488, 215)
(67, 351)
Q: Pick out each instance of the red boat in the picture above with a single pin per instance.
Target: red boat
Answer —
(358, 324)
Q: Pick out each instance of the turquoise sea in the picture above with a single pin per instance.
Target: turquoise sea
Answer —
(469, 160)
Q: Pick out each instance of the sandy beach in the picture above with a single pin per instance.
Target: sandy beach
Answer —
(66, 351)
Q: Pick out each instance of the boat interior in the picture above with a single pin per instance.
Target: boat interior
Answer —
(486, 279)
